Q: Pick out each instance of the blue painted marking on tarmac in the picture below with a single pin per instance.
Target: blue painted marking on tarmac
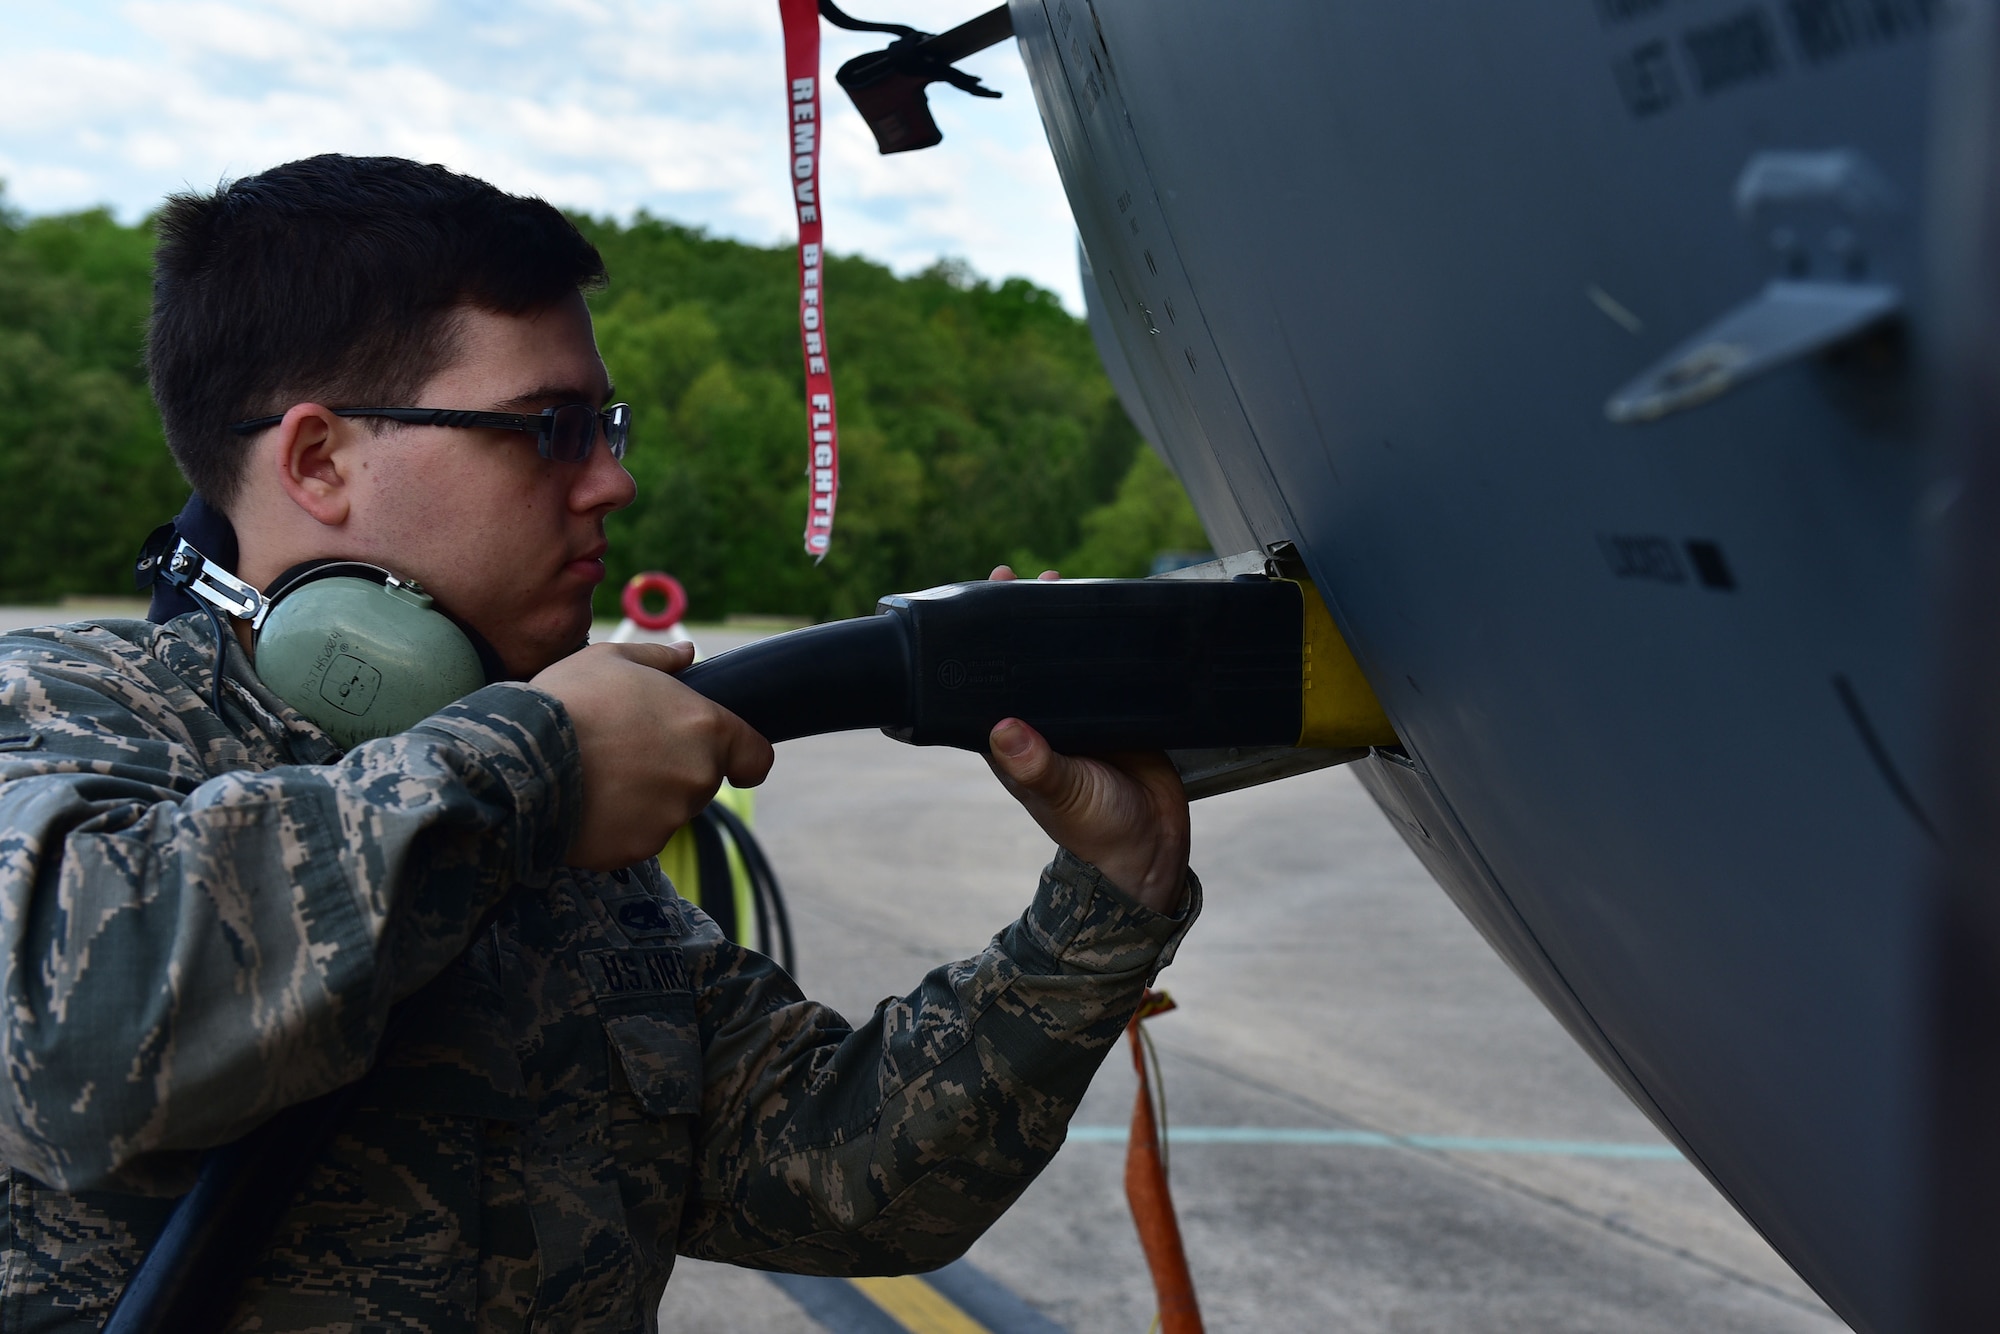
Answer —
(1373, 1139)
(987, 1301)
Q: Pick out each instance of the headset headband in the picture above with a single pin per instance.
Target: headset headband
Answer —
(208, 582)
(333, 567)
(217, 589)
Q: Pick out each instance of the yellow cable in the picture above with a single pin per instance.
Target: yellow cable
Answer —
(917, 1306)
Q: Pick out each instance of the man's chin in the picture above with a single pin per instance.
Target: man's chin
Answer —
(528, 657)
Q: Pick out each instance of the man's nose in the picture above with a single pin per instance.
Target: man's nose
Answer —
(602, 481)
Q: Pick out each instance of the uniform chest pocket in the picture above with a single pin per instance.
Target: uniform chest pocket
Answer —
(647, 1008)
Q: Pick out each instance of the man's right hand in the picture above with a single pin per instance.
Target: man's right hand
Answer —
(654, 752)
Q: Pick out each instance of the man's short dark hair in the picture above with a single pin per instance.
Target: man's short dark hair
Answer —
(334, 279)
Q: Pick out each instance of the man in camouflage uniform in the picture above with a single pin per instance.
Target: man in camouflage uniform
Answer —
(208, 917)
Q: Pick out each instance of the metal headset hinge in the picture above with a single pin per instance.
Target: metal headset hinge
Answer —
(188, 569)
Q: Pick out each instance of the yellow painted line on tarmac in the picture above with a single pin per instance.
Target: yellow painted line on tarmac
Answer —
(917, 1306)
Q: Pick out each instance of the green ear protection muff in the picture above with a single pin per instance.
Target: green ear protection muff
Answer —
(358, 651)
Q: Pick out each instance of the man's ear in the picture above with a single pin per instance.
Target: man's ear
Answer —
(315, 465)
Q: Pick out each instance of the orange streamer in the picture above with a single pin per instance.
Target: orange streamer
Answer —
(1151, 1201)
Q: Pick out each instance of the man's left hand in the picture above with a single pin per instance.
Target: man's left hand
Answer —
(1124, 814)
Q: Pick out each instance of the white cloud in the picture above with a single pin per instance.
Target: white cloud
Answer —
(354, 14)
(674, 106)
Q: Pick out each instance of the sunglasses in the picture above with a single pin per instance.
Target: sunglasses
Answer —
(566, 434)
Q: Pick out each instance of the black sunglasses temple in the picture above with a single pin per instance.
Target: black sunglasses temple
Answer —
(615, 421)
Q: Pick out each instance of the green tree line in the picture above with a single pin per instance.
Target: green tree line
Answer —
(976, 423)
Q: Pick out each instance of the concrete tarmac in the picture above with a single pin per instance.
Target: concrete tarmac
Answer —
(1329, 985)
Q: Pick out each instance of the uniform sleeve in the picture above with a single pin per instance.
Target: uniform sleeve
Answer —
(890, 1148)
(181, 956)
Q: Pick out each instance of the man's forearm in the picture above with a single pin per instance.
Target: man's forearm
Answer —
(928, 1121)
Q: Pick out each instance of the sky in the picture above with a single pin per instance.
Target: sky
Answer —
(607, 106)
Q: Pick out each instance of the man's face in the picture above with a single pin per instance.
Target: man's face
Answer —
(507, 541)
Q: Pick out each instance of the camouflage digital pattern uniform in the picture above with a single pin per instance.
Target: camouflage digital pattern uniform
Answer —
(203, 920)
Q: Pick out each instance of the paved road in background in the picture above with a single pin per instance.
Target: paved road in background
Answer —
(1329, 987)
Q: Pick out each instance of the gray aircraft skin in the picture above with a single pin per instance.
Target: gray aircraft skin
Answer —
(1570, 344)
